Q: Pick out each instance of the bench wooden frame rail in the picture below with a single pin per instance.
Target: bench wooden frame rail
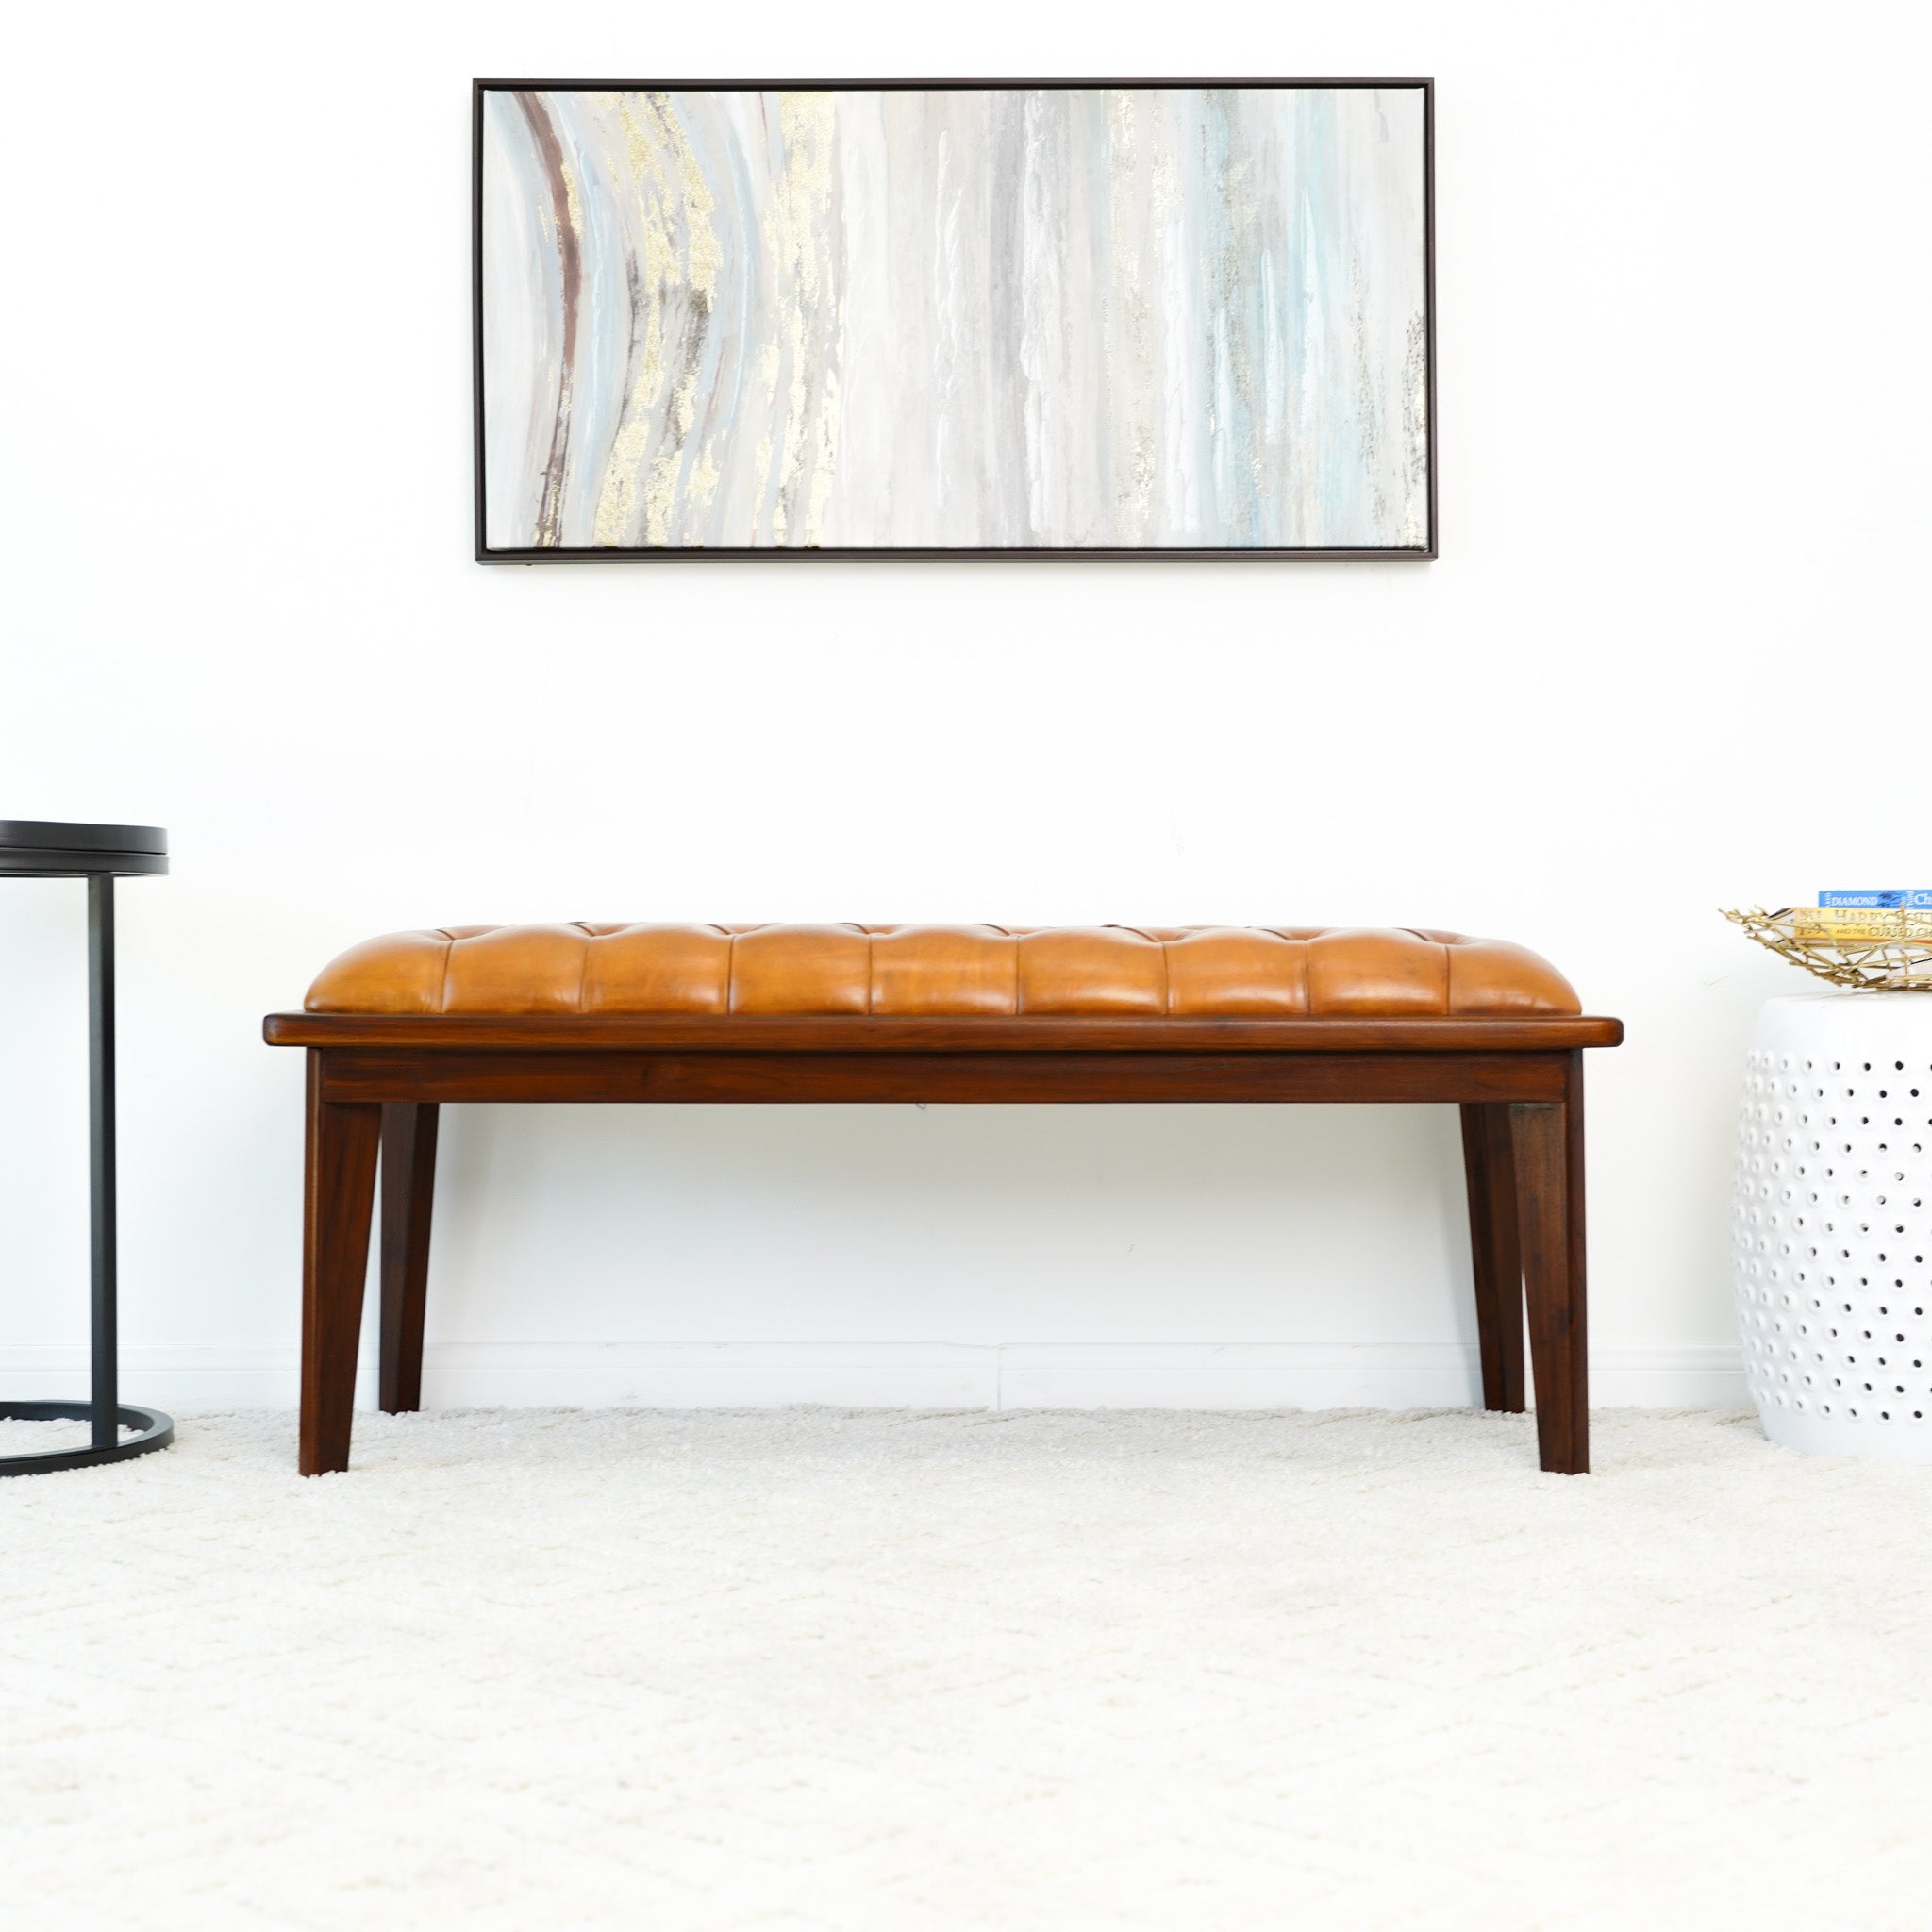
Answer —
(376, 1082)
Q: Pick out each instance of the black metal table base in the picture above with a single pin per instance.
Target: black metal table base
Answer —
(157, 1432)
(39, 848)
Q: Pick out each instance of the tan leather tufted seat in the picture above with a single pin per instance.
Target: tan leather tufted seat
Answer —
(1202, 971)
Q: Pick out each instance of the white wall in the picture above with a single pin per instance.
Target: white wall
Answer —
(1671, 657)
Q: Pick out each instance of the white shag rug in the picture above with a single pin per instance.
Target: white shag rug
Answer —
(812, 1669)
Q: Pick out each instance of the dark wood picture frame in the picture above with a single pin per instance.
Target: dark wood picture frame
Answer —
(562, 554)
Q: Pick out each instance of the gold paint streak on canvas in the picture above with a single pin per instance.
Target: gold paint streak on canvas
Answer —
(704, 254)
(663, 270)
(703, 477)
(794, 232)
(663, 483)
(671, 199)
(619, 492)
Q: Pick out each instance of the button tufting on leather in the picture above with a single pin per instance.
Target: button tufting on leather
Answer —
(1199, 971)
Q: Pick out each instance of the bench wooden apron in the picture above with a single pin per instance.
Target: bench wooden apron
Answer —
(803, 1013)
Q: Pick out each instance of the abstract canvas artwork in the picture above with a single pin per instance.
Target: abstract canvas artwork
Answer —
(1141, 318)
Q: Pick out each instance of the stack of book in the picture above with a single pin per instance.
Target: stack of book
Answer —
(1854, 917)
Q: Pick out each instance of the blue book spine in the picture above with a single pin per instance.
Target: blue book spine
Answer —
(1884, 900)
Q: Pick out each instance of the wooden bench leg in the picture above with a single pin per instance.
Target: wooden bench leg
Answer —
(338, 1195)
(408, 1190)
(1548, 1139)
(1488, 1165)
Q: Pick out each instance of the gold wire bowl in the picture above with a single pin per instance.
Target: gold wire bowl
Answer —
(1901, 961)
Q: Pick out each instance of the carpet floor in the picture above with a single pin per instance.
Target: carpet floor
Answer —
(817, 1669)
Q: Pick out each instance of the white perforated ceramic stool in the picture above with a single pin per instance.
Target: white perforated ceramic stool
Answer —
(1832, 1230)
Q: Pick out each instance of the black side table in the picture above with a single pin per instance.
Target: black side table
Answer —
(44, 849)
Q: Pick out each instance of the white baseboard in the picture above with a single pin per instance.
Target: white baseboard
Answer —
(936, 1374)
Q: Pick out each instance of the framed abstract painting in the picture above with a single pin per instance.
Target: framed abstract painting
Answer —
(954, 319)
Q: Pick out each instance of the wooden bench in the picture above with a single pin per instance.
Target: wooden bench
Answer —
(684, 1014)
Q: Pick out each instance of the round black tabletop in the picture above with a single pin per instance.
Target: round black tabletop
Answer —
(51, 849)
